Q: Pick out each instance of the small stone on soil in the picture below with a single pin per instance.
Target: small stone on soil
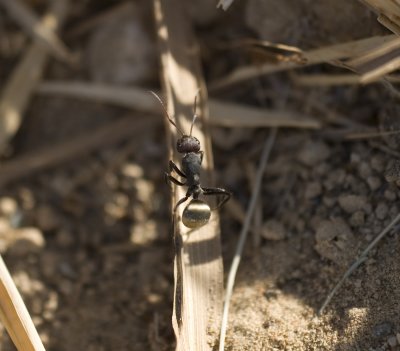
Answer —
(313, 153)
(352, 203)
(334, 240)
(313, 189)
(357, 219)
(381, 210)
(392, 341)
(382, 329)
(273, 230)
(374, 183)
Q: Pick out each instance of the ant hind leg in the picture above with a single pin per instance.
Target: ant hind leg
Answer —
(218, 192)
(180, 202)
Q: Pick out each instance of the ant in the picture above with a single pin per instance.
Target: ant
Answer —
(197, 213)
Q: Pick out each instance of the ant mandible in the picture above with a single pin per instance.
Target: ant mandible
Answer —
(197, 213)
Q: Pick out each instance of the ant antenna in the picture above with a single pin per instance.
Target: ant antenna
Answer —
(166, 112)
(194, 111)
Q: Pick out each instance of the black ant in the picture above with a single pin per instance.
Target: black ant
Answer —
(197, 212)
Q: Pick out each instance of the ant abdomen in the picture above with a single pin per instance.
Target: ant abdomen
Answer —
(187, 143)
(196, 214)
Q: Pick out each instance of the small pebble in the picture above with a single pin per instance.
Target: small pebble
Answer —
(313, 153)
(47, 218)
(334, 240)
(328, 201)
(381, 210)
(111, 57)
(382, 329)
(49, 263)
(313, 189)
(357, 219)
(65, 239)
(389, 195)
(355, 158)
(8, 206)
(26, 240)
(374, 183)
(273, 230)
(352, 203)
(364, 170)
(392, 341)
(377, 164)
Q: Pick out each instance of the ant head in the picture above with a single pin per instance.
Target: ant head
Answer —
(187, 143)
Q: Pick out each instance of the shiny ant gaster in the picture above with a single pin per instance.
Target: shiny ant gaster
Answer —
(197, 212)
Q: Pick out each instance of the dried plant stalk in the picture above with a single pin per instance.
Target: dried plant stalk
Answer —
(321, 55)
(221, 113)
(79, 146)
(387, 10)
(20, 87)
(15, 316)
(198, 263)
(42, 31)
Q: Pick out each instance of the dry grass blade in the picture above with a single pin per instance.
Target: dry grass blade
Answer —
(198, 263)
(42, 31)
(76, 147)
(362, 258)
(243, 234)
(376, 63)
(225, 4)
(312, 57)
(326, 80)
(222, 113)
(22, 83)
(15, 316)
(388, 11)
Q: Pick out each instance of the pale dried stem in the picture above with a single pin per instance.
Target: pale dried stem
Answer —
(243, 234)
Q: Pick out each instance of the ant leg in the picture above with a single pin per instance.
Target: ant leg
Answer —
(174, 167)
(219, 192)
(180, 202)
(170, 178)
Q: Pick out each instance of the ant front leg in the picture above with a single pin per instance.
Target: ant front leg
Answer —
(218, 192)
(170, 178)
(174, 167)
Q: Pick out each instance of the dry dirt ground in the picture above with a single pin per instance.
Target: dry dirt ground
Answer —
(88, 241)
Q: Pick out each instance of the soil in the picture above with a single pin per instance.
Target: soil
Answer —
(88, 241)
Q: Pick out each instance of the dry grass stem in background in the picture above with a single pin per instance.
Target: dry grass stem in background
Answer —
(34, 162)
(221, 113)
(198, 260)
(388, 12)
(320, 55)
(224, 4)
(334, 79)
(15, 316)
(42, 31)
(19, 89)
(269, 142)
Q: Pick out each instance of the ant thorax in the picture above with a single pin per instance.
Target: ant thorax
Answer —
(191, 166)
